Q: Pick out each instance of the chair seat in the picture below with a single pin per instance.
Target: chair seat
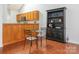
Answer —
(31, 38)
(40, 35)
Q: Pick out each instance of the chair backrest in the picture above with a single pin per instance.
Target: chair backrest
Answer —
(34, 33)
(30, 33)
(27, 33)
(43, 30)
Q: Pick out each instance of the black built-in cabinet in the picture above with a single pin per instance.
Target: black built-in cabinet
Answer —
(56, 24)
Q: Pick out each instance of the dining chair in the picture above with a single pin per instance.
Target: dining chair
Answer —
(30, 36)
(42, 35)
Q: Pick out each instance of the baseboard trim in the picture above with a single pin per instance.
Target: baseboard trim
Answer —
(13, 43)
(75, 43)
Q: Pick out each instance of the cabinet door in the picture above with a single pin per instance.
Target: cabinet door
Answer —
(16, 33)
(6, 34)
(18, 17)
(20, 33)
(28, 16)
(31, 16)
(13, 35)
(36, 15)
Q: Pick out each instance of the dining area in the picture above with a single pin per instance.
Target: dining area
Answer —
(37, 29)
(26, 29)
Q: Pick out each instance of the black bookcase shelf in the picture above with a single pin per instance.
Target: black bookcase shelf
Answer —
(56, 24)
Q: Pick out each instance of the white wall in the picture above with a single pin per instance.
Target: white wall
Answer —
(9, 15)
(72, 18)
(1, 10)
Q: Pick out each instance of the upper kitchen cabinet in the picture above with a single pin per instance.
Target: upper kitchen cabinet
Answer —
(33, 15)
(36, 15)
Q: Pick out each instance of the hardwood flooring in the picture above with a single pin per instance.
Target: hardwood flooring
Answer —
(51, 47)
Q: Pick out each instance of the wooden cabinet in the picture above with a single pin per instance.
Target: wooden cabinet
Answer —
(36, 15)
(6, 34)
(56, 25)
(33, 15)
(16, 33)
(13, 33)
(18, 17)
